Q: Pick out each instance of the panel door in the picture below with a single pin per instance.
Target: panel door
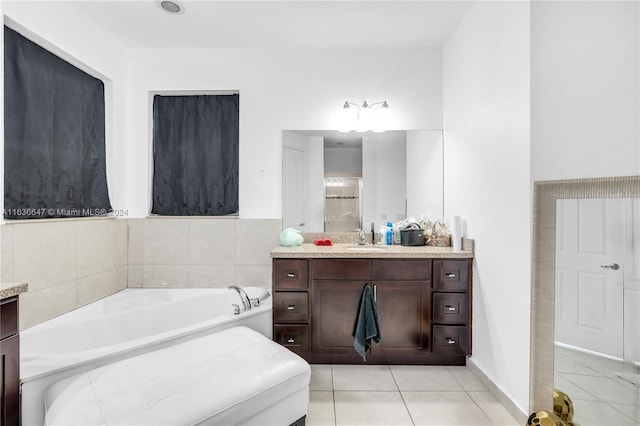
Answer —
(404, 316)
(335, 305)
(589, 293)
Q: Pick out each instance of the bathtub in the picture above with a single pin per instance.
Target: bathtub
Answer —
(127, 323)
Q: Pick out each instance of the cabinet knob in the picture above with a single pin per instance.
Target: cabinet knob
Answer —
(450, 308)
(291, 340)
(450, 275)
(451, 341)
(291, 275)
(291, 307)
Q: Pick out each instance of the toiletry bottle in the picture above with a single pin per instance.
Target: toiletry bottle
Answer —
(389, 233)
(383, 235)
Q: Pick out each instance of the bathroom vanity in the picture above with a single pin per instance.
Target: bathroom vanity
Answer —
(423, 297)
(10, 354)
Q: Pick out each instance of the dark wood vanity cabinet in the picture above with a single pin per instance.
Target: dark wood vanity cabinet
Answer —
(316, 317)
(9, 363)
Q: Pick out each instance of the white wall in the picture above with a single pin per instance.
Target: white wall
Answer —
(384, 184)
(487, 181)
(280, 89)
(57, 27)
(424, 174)
(585, 118)
(343, 161)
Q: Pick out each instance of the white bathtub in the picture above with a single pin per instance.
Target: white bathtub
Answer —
(127, 323)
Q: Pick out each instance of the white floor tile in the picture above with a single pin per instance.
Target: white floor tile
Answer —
(593, 413)
(491, 407)
(321, 410)
(467, 379)
(574, 391)
(632, 411)
(321, 378)
(444, 409)
(370, 409)
(363, 378)
(605, 388)
(424, 378)
(565, 364)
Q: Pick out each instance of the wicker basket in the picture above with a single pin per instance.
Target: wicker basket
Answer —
(439, 241)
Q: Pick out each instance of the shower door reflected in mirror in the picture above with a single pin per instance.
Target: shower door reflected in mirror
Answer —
(597, 308)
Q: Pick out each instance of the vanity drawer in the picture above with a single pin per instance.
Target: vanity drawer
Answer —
(291, 274)
(340, 269)
(291, 306)
(401, 270)
(450, 308)
(451, 275)
(8, 317)
(449, 340)
(294, 337)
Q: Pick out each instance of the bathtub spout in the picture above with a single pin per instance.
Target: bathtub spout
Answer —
(246, 303)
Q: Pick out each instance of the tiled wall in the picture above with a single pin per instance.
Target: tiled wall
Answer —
(67, 264)
(201, 252)
(71, 263)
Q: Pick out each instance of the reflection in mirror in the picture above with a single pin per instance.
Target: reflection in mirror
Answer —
(337, 182)
(597, 308)
(545, 195)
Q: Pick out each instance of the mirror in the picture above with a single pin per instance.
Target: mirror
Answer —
(545, 197)
(597, 306)
(337, 182)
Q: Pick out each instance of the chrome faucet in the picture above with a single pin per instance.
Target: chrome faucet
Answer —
(246, 303)
(362, 238)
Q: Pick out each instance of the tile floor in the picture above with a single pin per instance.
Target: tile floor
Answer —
(401, 395)
(603, 391)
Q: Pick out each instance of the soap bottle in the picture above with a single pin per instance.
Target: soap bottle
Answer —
(389, 234)
(383, 234)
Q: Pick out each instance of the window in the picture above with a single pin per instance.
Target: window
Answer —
(195, 155)
(54, 141)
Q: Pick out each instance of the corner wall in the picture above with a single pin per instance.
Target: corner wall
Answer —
(487, 181)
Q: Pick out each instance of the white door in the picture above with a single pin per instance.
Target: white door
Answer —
(589, 275)
(293, 189)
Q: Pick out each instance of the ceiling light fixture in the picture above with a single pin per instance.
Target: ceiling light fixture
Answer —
(365, 117)
(173, 7)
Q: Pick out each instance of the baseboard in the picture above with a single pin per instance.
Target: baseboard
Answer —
(506, 402)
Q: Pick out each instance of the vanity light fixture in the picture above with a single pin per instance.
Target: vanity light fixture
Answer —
(172, 7)
(365, 117)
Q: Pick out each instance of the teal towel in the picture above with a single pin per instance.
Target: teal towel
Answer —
(367, 326)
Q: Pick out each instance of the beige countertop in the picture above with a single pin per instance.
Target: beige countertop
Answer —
(8, 290)
(346, 250)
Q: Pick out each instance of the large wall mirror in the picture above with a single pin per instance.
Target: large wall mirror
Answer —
(337, 182)
(585, 306)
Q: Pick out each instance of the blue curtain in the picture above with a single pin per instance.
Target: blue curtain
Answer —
(54, 140)
(195, 155)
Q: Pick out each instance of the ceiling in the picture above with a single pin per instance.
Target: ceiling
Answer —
(278, 24)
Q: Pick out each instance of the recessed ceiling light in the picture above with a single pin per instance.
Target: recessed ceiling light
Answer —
(172, 7)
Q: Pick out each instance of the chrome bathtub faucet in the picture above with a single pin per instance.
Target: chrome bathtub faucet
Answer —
(246, 303)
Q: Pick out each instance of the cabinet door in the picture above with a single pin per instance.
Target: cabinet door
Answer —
(10, 381)
(335, 305)
(404, 316)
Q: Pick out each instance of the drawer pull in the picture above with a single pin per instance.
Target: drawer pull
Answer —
(291, 340)
(291, 307)
(450, 308)
(451, 341)
(450, 275)
(291, 275)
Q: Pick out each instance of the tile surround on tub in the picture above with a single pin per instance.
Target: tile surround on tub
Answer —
(66, 263)
(217, 251)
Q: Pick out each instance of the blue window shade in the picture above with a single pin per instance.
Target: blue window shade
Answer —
(195, 155)
(54, 140)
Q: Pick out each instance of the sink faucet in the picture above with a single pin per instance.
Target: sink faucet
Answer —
(246, 303)
(362, 238)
